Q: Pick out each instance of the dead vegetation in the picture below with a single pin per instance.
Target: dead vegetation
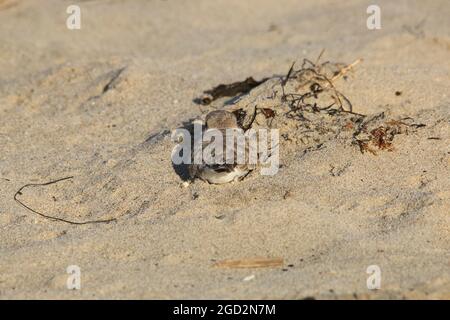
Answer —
(308, 109)
(377, 133)
(250, 263)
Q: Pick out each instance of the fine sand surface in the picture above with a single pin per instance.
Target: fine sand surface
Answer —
(99, 104)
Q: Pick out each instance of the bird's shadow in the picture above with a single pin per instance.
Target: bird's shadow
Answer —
(182, 170)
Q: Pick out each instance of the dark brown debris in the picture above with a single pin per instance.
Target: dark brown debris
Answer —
(228, 90)
(268, 113)
(382, 136)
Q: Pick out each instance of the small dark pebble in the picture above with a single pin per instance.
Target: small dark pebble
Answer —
(398, 93)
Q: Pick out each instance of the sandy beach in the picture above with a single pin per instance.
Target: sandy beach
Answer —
(97, 106)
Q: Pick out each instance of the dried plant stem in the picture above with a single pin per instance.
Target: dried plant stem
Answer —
(19, 192)
(250, 263)
(346, 69)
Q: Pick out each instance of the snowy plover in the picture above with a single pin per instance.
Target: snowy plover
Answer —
(222, 171)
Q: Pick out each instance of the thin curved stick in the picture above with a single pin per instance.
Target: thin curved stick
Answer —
(19, 192)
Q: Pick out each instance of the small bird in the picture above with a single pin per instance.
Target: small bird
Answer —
(219, 173)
